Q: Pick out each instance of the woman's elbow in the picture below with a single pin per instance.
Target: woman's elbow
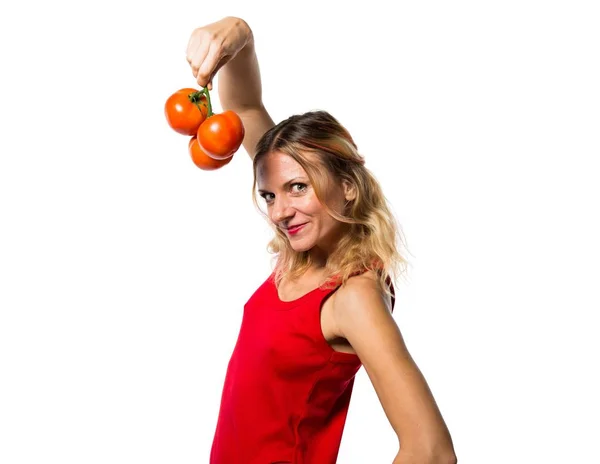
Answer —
(408, 457)
(432, 456)
(444, 456)
(449, 459)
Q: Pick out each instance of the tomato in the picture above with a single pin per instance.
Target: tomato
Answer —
(186, 110)
(221, 135)
(202, 160)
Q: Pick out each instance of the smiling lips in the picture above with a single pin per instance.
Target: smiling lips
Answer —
(295, 229)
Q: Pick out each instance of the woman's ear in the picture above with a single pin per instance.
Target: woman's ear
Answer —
(349, 190)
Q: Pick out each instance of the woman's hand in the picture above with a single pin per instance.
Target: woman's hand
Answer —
(213, 45)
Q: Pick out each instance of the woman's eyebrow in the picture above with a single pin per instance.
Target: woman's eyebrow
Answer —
(286, 184)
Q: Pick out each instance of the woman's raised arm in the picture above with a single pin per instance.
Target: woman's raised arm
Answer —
(227, 47)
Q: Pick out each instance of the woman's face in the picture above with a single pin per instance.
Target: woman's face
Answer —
(291, 201)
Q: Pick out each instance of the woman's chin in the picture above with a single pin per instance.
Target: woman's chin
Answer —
(301, 245)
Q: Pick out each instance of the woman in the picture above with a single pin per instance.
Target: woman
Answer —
(325, 311)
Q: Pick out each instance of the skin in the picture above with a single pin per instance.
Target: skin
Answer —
(362, 316)
(358, 313)
(297, 203)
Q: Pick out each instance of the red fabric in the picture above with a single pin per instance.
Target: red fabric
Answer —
(286, 392)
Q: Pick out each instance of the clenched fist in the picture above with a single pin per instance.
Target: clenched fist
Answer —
(213, 45)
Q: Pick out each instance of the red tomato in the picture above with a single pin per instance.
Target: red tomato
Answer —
(185, 111)
(221, 135)
(202, 160)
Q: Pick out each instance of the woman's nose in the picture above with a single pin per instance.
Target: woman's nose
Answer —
(281, 210)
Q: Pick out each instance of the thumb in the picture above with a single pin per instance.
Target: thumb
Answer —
(220, 63)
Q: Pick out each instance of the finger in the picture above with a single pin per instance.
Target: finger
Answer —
(220, 64)
(192, 44)
(209, 64)
(197, 55)
(224, 59)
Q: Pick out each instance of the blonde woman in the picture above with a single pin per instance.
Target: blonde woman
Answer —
(326, 309)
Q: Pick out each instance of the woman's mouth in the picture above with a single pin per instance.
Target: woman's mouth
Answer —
(294, 230)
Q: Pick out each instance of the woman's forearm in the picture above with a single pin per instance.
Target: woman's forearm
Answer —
(240, 86)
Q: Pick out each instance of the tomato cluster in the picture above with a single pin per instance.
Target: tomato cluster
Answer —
(214, 137)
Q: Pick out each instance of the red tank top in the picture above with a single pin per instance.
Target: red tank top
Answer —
(286, 393)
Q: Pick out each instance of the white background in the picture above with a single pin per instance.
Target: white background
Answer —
(124, 268)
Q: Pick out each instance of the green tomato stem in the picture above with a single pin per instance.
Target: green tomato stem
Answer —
(210, 112)
(195, 98)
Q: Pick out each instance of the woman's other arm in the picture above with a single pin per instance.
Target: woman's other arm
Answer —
(362, 315)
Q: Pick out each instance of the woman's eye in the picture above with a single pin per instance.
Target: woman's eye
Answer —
(300, 184)
(301, 189)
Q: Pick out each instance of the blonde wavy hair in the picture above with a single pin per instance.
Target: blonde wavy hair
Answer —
(327, 152)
